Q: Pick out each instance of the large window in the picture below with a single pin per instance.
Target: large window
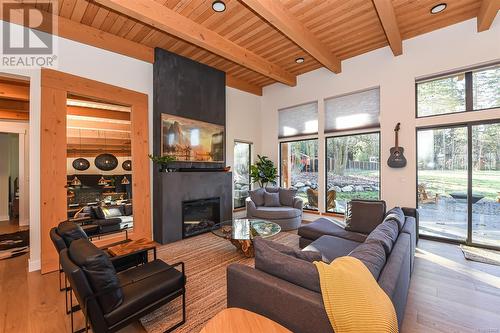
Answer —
(241, 172)
(352, 169)
(458, 182)
(299, 169)
(465, 91)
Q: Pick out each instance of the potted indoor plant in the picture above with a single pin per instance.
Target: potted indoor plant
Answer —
(263, 172)
(162, 161)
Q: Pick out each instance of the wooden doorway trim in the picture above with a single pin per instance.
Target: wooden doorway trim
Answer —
(55, 87)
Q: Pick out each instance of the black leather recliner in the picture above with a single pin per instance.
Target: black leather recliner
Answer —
(110, 300)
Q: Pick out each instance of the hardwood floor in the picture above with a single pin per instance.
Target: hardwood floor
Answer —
(447, 294)
(10, 226)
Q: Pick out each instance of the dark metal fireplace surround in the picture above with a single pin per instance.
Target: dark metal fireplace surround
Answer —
(199, 216)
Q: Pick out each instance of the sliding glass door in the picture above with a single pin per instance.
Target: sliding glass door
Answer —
(442, 182)
(486, 184)
(458, 183)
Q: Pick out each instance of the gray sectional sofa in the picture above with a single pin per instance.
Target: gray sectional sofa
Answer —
(284, 285)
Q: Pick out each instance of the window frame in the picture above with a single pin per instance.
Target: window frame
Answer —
(280, 142)
(469, 92)
(468, 125)
(250, 144)
(379, 168)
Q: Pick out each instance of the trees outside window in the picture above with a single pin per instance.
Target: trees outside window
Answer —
(353, 169)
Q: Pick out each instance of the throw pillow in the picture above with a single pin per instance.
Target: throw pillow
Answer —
(386, 233)
(70, 231)
(257, 196)
(364, 215)
(287, 196)
(271, 199)
(111, 212)
(287, 267)
(99, 271)
(372, 254)
(98, 212)
(396, 214)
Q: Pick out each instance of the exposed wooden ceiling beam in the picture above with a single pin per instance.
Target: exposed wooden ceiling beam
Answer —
(163, 18)
(242, 85)
(76, 140)
(14, 92)
(97, 125)
(21, 106)
(387, 16)
(94, 133)
(277, 15)
(14, 115)
(91, 36)
(487, 13)
(74, 153)
(97, 113)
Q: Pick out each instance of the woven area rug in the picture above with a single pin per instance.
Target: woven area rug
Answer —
(481, 255)
(206, 258)
(14, 244)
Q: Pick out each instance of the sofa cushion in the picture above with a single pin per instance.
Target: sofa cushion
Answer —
(331, 247)
(257, 196)
(271, 199)
(286, 196)
(284, 266)
(396, 214)
(70, 231)
(276, 213)
(324, 226)
(272, 189)
(99, 271)
(386, 233)
(297, 253)
(372, 254)
(364, 215)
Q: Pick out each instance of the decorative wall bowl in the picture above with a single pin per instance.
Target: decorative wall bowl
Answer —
(81, 164)
(127, 165)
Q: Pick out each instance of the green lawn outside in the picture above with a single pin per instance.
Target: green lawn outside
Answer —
(486, 183)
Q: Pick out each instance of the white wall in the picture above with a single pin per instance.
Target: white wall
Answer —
(451, 48)
(242, 123)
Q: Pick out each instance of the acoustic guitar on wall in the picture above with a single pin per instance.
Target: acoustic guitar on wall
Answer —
(397, 159)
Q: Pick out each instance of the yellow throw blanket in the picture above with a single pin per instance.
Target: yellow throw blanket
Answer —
(353, 299)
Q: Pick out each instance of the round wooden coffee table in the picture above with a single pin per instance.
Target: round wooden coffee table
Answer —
(242, 321)
(241, 232)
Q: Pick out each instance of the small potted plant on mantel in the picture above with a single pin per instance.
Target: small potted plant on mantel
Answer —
(263, 172)
(162, 161)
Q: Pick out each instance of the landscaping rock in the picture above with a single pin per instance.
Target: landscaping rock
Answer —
(348, 188)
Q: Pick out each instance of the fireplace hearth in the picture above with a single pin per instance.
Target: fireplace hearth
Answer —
(199, 216)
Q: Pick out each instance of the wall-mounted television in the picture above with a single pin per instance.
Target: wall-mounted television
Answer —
(191, 140)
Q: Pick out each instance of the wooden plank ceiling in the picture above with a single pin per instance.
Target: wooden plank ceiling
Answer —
(345, 28)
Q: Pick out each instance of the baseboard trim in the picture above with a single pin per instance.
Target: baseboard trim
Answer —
(34, 265)
(4, 218)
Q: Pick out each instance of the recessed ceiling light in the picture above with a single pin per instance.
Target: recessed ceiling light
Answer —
(218, 6)
(299, 60)
(438, 8)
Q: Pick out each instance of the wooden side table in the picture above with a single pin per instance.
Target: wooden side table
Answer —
(242, 321)
(133, 246)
